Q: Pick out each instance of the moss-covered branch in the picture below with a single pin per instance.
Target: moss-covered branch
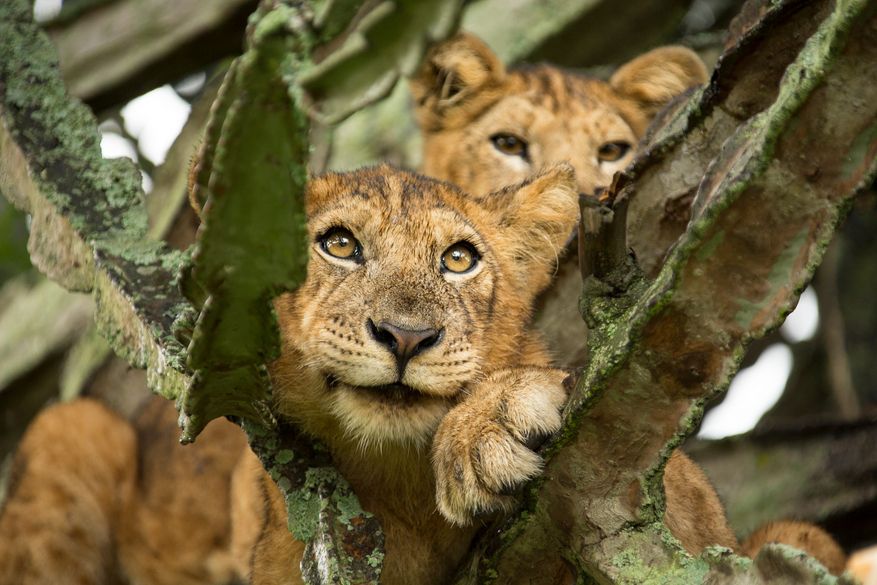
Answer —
(768, 202)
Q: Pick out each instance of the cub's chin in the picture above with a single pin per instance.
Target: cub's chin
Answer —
(391, 413)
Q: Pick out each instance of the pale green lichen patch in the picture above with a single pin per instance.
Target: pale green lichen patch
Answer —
(707, 248)
(348, 506)
(638, 563)
(780, 275)
(375, 559)
(859, 151)
(285, 456)
(303, 512)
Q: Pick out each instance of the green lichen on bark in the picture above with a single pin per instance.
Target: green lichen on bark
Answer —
(83, 207)
(344, 543)
(253, 244)
(680, 341)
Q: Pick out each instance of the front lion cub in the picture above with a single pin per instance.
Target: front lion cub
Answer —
(417, 306)
(415, 311)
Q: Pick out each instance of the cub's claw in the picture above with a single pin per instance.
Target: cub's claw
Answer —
(481, 452)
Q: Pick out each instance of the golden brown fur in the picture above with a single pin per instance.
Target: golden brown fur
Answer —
(380, 438)
(464, 97)
(803, 536)
(95, 499)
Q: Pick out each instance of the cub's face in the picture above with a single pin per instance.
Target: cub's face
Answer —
(485, 127)
(413, 291)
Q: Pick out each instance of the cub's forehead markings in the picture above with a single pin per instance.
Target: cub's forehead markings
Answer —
(444, 208)
(515, 114)
(560, 89)
(387, 209)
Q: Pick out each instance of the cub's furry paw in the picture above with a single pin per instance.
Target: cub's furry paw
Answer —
(482, 449)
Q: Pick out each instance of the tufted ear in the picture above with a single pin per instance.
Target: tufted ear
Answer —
(538, 220)
(458, 78)
(651, 80)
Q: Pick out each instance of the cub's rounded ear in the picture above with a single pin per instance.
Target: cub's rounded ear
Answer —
(458, 78)
(539, 219)
(651, 80)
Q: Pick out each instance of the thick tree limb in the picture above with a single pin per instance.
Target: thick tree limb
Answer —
(762, 219)
(86, 211)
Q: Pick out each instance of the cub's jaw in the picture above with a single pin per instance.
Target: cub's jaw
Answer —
(390, 413)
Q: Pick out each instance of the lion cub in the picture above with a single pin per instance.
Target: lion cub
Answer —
(416, 311)
(485, 126)
(416, 307)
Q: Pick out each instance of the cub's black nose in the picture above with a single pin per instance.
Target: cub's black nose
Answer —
(403, 343)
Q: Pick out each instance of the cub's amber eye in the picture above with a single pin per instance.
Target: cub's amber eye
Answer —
(510, 144)
(459, 258)
(340, 243)
(612, 151)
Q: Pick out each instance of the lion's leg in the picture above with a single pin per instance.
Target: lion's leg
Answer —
(248, 510)
(696, 517)
(75, 469)
(803, 536)
(694, 513)
(176, 531)
(259, 519)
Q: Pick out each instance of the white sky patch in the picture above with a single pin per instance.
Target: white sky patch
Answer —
(803, 322)
(44, 10)
(113, 145)
(190, 86)
(147, 183)
(155, 119)
(752, 393)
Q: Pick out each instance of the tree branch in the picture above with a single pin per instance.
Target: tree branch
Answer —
(761, 221)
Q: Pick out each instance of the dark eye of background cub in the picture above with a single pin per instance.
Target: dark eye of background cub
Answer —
(510, 144)
(340, 243)
(460, 258)
(612, 151)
